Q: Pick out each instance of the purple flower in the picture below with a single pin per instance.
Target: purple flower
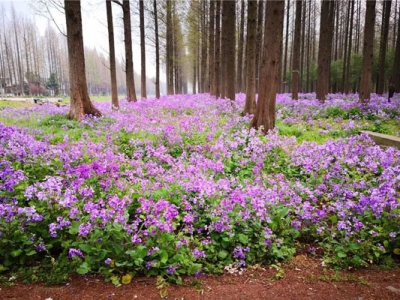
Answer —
(198, 253)
(108, 261)
(74, 252)
(171, 270)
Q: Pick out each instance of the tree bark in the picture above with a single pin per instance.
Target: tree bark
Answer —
(157, 50)
(211, 42)
(113, 72)
(217, 68)
(169, 53)
(383, 45)
(347, 70)
(325, 48)
(259, 43)
(286, 46)
(368, 52)
(80, 102)
(265, 111)
(250, 103)
(296, 51)
(239, 68)
(229, 19)
(396, 69)
(130, 80)
(143, 90)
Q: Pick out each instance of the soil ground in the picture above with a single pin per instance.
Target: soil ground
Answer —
(302, 278)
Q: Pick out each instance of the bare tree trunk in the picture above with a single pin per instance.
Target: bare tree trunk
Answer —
(396, 69)
(113, 72)
(325, 48)
(259, 43)
(250, 104)
(211, 54)
(217, 69)
(383, 45)
(346, 39)
(169, 53)
(157, 50)
(80, 102)
(239, 68)
(368, 52)
(229, 14)
(347, 70)
(286, 46)
(130, 80)
(296, 51)
(265, 111)
(204, 37)
(143, 90)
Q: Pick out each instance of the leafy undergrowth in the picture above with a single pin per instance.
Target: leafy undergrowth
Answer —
(181, 186)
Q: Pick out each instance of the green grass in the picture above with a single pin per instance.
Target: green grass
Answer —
(14, 104)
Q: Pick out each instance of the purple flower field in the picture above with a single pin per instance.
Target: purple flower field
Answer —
(180, 185)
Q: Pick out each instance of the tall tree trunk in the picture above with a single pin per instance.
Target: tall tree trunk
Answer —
(296, 51)
(265, 110)
(143, 90)
(347, 71)
(169, 53)
(228, 18)
(259, 41)
(204, 37)
(368, 52)
(286, 47)
(113, 72)
(325, 48)
(157, 50)
(250, 104)
(211, 42)
(383, 45)
(130, 80)
(239, 68)
(396, 69)
(217, 69)
(80, 102)
(347, 37)
(302, 51)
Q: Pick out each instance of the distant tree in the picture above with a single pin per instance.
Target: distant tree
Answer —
(239, 67)
(113, 72)
(52, 83)
(325, 48)
(265, 111)
(368, 52)
(80, 101)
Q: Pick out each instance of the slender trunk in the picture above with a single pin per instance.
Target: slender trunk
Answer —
(217, 69)
(250, 104)
(347, 74)
(325, 48)
(211, 54)
(169, 53)
(143, 90)
(346, 37)
(296, 51)
(130, 80)
(229, 14)
(396, 69)
(239, 68)
(286, 46)
(368, 52)
(157, 50)
(113, 72)
(302, 51)
(259, 41)
(383, 45)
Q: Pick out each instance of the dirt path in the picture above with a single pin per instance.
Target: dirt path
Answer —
(301, 280)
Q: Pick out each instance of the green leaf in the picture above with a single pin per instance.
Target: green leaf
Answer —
(244, 239)
(83, 268)
(30, 253)
(341, 255)
(16, 253)
(163, 257)
(222, 254)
